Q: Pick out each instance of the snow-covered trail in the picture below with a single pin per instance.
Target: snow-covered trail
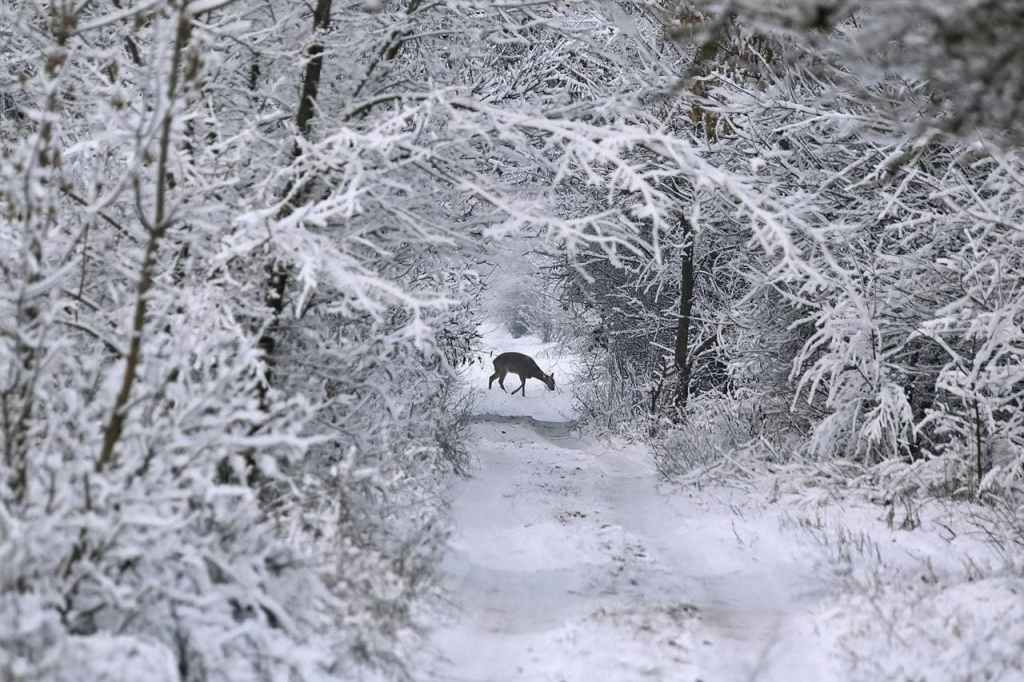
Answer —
(570, 561)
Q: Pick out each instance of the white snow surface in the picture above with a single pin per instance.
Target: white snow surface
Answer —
(570, 561)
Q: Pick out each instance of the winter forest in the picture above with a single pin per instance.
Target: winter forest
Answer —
(258, 257)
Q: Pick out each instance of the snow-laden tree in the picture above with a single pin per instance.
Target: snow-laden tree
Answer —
(872, 270)
(655, 323)
(894, 250)
(130, 377)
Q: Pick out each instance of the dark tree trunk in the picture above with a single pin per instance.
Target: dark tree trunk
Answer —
(682, 365)
(278, 276)
(314, 66)
(277, 271)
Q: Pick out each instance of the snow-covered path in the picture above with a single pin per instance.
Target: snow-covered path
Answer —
(570, 561)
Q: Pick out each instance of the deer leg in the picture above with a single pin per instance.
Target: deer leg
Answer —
(501, 380)
(522, 387)
(491, 382)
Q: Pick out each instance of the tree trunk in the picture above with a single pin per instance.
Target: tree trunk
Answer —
(277, 271)
(682, 364)
(278, 276)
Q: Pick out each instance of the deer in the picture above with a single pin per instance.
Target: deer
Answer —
(524, 366)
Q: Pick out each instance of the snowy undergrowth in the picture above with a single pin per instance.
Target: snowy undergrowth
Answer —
(956, 630)
(929, 591)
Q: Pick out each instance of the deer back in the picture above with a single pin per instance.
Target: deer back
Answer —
(519, 363)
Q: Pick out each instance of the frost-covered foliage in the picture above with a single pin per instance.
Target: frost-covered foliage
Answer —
(891, 259)
(857, 271)
(627, 304)
(131, 382)
(715, 428)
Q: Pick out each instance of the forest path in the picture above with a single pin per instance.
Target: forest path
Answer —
(570, 561)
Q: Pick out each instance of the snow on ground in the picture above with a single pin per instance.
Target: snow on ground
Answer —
(571, 562)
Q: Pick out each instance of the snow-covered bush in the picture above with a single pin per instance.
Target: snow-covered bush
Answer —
(134, 398)
(604, 395)
(716, 430)
(952, 630)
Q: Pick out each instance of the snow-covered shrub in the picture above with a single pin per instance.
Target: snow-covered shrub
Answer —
(954, 630)
(713, 429)
(142, 537)
(168, 441)
(605, 397)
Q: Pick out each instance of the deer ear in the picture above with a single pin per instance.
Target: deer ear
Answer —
(552, 375)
